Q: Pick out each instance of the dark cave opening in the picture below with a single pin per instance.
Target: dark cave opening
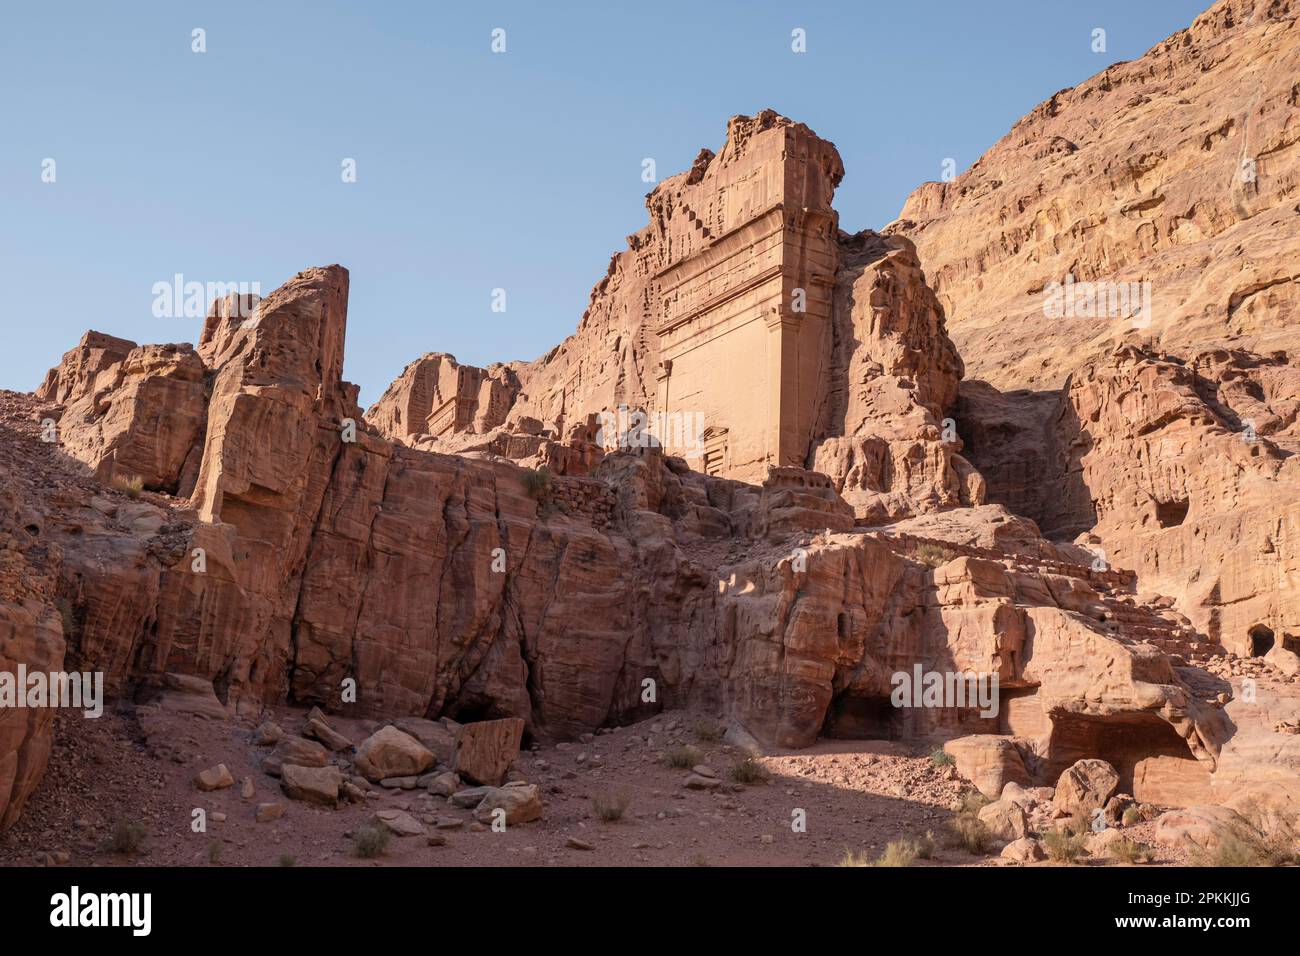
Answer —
(1171, 514)
(1261, 640)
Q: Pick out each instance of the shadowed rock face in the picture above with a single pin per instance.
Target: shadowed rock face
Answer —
(1181, 468)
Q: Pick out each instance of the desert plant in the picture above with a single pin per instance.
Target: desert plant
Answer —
(1255, 838)
(370, 841)
(130, 485)
(932, 554)
(214, 851)
(854, 859)
(536, 481)
(1131, 816)
(682, 758)
(941, 758)
(288, 860)
(1064, 844)
(749, 771)
(1130, 851)
(127, 836)
(610, 806)
(966, 830)
(707, 732)
(898, 853)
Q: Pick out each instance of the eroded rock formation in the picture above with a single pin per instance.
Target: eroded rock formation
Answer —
(1180, 168)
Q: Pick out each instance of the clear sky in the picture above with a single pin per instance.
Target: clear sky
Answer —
(474, 170)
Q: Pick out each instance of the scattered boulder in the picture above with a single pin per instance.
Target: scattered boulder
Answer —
(1024, 850)
(1005, 820)
(331, 738)
(266, 812)
(1084, 787)
(246, 789)
(433, 735)
(185, 694)
(442, 784)
(486, 749)
(319, 785)
(1200, 827)
(399, 822)
(1101, 842)
(471, 797)
(294, 751)
(391, 753)
(1026, 798)
(698, 781)
(268, 734)
(521, 803)
(989, 761)
(214, 778)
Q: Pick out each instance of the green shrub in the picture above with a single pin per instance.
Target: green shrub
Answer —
(682, 758)
(966, 830)
(611, 806)
(536, 481)
(1130, 851)
(941, 758)
(127, 836)
(707, 732)
(130, 485)
(370, 841)
(1064, 844)
(1255, 839)
(932, 554)
(749, 771)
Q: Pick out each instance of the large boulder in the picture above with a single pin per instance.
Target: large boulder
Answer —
(319, 785)
(1005, 820)
(390, 753)
(294, 751)
(1196, 828)
(522, 803)
(485, 750)
(988, 761)
(1084, 787)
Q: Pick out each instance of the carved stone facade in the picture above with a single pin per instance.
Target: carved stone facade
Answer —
(743, 315)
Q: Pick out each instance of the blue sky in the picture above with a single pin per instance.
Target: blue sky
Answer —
(475, 170)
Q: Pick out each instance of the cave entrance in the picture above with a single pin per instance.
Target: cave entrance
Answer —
(1171, 514)
(1154, 763)
(1261, 640)
(851, 717)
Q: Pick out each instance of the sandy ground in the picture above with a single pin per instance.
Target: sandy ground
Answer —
(139, 764)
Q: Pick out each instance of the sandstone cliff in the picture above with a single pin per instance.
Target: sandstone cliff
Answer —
(1181, 169)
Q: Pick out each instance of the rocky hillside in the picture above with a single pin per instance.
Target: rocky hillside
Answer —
(1181, 169)
(1102, 516)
